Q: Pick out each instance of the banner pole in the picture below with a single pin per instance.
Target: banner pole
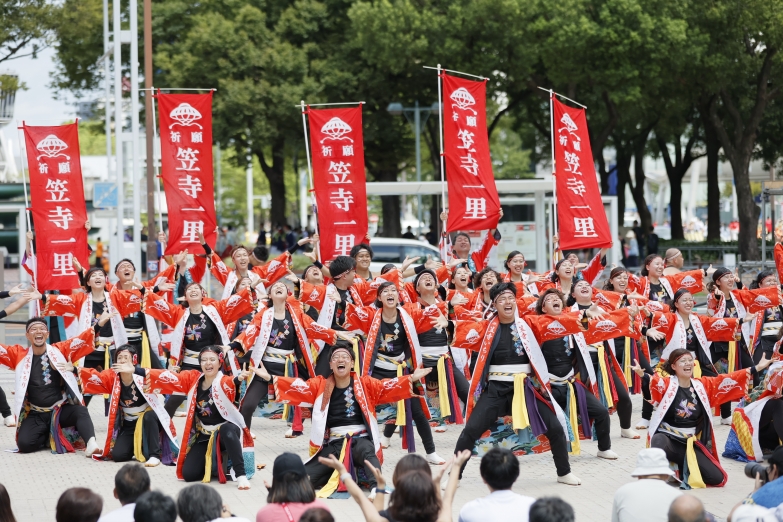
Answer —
(310, 175)
(157, 169)
(440, 133)
(24, 160)
(554, 169)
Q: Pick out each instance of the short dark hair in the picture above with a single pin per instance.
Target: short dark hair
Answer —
(291, 487)
(499, 468)
(89, 274)
(6, 513)
(36, 319)
(132, 480)
(677, 296)
(499, 288)
(383, 286)
(478, 276)
(647, 260)
(154, 506)
(408, 463)
(551, 509)
(126, 260)
(316, 515)
(673, 356)
(341, 265)
(548, 291)
(79, 505)
(358, 248)
(261, 253)
(415, 498)
(199, 503)
(760, 277)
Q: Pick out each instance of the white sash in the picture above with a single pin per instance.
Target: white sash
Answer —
(178, 336)
(157, 406)
(678, 339)
(326, 315)
(225, 407)
(22, 376)
(85, 321)
(668, 399)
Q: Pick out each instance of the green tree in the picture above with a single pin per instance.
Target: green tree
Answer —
(26, 27)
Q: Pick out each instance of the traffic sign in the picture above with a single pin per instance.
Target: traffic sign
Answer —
(104, 195)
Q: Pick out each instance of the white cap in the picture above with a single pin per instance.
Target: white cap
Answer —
(652, 461)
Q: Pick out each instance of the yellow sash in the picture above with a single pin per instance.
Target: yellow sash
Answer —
(694, 473)
(334, 479)
(289, 357)
(732, 355)
(576, 447)
(519, 415)
(443, 388)
(146, 358)
(627, 362)
(607, 388)
(138, 438)
(696, 369)
(400, 404)
(208, 457)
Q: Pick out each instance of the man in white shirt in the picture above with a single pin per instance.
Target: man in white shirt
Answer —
(130, 482)
(647, 499)
(499, 470)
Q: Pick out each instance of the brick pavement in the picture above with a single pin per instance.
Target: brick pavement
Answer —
(36, 481)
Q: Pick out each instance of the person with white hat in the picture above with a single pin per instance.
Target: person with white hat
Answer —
(648, 498)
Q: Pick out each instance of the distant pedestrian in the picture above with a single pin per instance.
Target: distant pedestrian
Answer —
(409, 234)
(551, 509)
(632, 253)
(652, 241)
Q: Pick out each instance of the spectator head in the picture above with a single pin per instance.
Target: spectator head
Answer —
(674, 258)
(290, 482)
(6, 513)
(775, 461)
(79, 505)
(260, 254)
(154, 506)
(410, 462)
(499, 468)
(316, 515)
(652, 228)
(199, 503)
(551, 509)
(130, 482)
(686, 508)
(652, 463)
(415, 498)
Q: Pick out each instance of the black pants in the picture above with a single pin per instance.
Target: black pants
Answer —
(623, 404)
(362, 449)
(123, 445)
(5, 408)
(155, 363)
(417, 414)
(34, 432)
(494, 403)
(771, 424)
(196, 460)
(257, 390)
(675, 452)
(595, 410)
(460, 382)
(174, 401)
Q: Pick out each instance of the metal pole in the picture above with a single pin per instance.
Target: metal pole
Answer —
(249, 189)
(118, 252)
(107, 86)
(310, 173)
(764, 200)
(440, 132)
(417, 120)
(219, 169)
(134, 164)
(157, 172)
(554, 175)
(152, 235)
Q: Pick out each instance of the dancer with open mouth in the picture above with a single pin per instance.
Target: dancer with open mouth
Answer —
(198, 323)
(213, 423)
(48, 405)
(139, 427)
(344, 423)
(277, 343)
(392, 349)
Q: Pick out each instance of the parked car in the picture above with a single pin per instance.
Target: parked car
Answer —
(392, 250)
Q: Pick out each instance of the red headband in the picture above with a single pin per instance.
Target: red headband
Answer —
(675, 359)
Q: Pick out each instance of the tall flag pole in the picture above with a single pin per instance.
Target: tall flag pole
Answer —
(310, 175)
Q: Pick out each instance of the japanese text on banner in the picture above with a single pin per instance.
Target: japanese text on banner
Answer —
(339, 179)
(58, 206)
(473, 198)
(186, 168)
(581, 217)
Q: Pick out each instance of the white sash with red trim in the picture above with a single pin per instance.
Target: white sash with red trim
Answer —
(179, 331)
(678, 339)
(117, 326)
(22, 375)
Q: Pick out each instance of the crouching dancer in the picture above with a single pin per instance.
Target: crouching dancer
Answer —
(343, 419)
(139, 426)
(213, 424)
(47, 393)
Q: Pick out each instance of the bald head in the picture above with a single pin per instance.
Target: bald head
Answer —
(674, 258)
(686, 508)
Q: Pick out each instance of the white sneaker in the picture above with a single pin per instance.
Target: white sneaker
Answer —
(643, 424)
(243, 483)
(92, 448)
(435, 459)
(608, 455)
(180, 414)
(570, 480)
(152, 462)
(253, 435)
(726, 421)
(628, 433)
(10, 421)
(385, 442)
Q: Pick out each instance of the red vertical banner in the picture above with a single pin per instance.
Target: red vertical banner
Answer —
(58, 207)
(473, 197)
(337, 147)
(186, 168)
(581, 218)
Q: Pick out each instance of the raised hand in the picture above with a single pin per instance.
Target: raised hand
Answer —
(261, 372)
(458, 299)
(125, 367)
(334, 295)
(655, 334)
(181, 258)
(18, 289)
(408, 262)
(637, 369)
(440, 321)
(166, 286)
(420, 373)
(346, 336)
(455, 262)
(75, 262)
(161, 237)
(106, 317)
(66, 367)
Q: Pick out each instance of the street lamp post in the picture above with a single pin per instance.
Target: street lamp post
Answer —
(416, 116)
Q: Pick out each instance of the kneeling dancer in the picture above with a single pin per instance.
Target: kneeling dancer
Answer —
(213, 424)
(47, 394)
(139, 426)
(343, 419)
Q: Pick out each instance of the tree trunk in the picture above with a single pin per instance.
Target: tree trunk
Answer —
(746, 208)
(623, 177)
(713, 187)
(637, 190)
(435, 223)
(276, 176)
(391, 216)
(675, 204)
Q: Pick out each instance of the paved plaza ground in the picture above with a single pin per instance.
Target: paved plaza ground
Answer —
(36, 481)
